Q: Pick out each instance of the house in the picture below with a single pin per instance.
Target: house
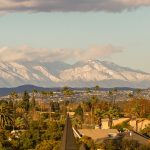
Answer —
(139, 124)
(98, 134)
(131, 135)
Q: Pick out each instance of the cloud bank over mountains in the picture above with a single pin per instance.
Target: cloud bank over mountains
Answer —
(26, 53)
(7, 6)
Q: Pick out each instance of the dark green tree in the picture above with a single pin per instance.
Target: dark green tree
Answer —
(79, 112)
(33, 103)
(5, 115)
(97, 88)
(25, 101)
(113, 112)
(99, 115)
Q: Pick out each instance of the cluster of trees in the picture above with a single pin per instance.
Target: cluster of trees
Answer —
(20, 130)
(97, 111)
(26, 124)
(39, 136)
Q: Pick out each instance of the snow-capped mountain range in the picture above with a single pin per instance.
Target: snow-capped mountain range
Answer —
(81, 74)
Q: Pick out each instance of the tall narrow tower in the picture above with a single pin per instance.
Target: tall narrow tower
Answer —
(68, 139)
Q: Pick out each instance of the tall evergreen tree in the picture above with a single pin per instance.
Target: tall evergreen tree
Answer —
(25, 99)
(33, 103)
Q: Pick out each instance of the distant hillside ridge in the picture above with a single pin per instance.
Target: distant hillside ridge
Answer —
(30, 88)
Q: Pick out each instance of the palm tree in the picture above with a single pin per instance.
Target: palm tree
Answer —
(5, 115)
(96, 88)
(99, 115)
(43, 95)
(113, 112)
(136, 111)
(20, 123)
(93, 101)
(113, 94)
(13, 97)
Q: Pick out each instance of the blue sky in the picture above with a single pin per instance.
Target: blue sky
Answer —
(127, 31)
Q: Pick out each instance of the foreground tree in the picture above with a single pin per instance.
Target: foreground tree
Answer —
(93, 102)
(99, 115)
(48, 145)
(79, 113)
(113, 112)
(5, 115)
(146, 131)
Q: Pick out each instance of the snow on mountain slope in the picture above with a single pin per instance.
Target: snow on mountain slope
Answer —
(60, 74)
(98, 71)
(45, 72)
(12, 70)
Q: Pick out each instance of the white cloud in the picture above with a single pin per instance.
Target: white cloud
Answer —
(70, 5)
(26, 53)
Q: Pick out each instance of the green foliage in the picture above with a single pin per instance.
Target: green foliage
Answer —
(54, 131)
(48, 145)
(76, 122)
(25, 101)
(43, 130)
(34, 125)
(51, 93)
(79, 112)
(113, 112)
(89, 143)
(55, 116)
(99, 115)
(146, 131)
(97, 88)
(29, 139)
(88, 90)
(93, 100)
(110, 144)
(55, 107)
(67, 91)
(130, 144)
(136, 110)
(33, 103)
(3, 136)
(5, 115)
(4, 143)
(13, 96)
(123, 126)
(20, 123)
(1, 146)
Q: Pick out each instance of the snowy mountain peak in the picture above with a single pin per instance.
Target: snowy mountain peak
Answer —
(81, 74)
